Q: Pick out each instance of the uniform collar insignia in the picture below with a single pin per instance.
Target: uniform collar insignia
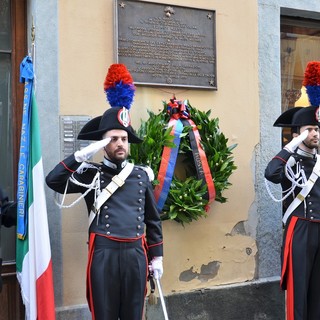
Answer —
(113, 165)
(305, 153)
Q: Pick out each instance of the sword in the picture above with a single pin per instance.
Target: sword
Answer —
(164, 309)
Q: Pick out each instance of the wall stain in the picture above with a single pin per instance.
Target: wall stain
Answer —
(207, 272)
(239, 228)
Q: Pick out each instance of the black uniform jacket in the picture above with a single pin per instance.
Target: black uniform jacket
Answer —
(275, 172)
(129, 213)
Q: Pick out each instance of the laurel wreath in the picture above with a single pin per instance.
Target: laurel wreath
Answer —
(186, 200)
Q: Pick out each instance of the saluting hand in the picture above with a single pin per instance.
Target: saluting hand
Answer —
(295, 142)
(87, 152)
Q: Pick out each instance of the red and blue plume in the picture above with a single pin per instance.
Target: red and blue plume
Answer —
(312, 82)
(119, 87)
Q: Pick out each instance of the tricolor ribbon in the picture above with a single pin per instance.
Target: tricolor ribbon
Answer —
(179, 117)
(26, 77)
(168, 163)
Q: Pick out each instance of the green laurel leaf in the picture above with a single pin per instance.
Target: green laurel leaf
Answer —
(186, 200)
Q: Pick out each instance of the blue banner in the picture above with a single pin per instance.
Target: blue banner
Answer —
(26, 77)
(168, 163)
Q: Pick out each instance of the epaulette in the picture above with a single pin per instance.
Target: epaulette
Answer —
(148, 170)
(291, 161)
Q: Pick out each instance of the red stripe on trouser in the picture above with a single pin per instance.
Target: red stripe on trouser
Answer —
(45, 295)
(145, 249)
(89, 290)
(144, 245)
(287, 271)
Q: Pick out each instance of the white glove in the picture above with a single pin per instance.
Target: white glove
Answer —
(295, 142)
(87, 152)
(156, 267)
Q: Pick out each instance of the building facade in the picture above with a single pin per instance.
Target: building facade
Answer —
(225, 266)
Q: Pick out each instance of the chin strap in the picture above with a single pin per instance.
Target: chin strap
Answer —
(305, 145)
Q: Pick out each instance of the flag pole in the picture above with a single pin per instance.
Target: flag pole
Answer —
(32, 53)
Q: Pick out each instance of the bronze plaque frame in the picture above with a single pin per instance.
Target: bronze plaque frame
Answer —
(166, 45)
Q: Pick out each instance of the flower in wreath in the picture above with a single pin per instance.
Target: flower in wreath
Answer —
(190, 158)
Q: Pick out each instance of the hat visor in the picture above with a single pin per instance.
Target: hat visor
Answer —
(91, 131)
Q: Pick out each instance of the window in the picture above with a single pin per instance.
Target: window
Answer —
(300, 43)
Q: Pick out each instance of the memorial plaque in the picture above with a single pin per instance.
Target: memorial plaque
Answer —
(166, 45)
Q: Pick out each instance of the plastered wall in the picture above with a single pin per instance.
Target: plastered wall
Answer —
(216, 250)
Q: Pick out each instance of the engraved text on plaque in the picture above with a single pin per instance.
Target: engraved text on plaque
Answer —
(166, 45)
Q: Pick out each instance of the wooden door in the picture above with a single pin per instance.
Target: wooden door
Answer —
(10, 298)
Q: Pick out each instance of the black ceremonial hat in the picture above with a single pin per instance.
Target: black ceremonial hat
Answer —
(298, 117)
(285, 119)
(113, 118)
(306, 116)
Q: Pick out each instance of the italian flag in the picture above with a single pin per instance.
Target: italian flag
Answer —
(33, 255)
